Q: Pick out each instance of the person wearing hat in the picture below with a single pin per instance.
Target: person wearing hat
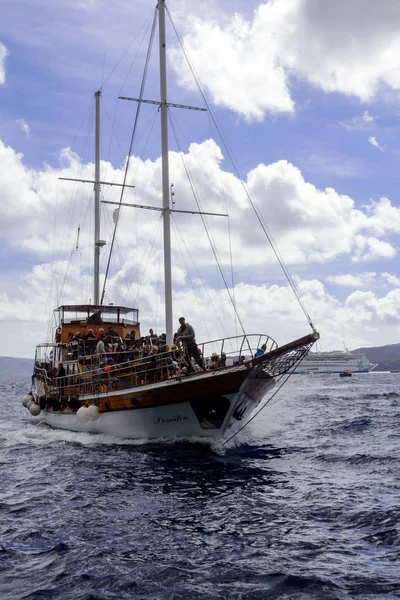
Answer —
(214, 361)
(186, 336)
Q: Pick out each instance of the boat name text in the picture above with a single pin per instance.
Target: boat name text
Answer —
(170, 419)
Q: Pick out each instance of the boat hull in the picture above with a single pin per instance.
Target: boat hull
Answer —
(173, 420)
(197, 408)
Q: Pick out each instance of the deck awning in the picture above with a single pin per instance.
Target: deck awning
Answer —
(91, 308)
(91, 313)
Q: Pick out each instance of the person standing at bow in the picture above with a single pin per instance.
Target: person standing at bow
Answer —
(186, 335)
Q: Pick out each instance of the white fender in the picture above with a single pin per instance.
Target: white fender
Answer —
(34, 409)
(82, 414)
(92, 413)
(26, 399)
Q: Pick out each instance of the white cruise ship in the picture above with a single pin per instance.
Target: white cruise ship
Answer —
(334, 362)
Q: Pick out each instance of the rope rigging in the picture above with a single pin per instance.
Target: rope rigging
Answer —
(214, 251)
(148, 55)
(75, 202)
(241, 178)
(225, 205)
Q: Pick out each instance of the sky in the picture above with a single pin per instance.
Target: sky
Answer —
(306, 94)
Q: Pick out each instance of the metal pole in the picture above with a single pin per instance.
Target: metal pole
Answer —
(165, 173)
(97, 246)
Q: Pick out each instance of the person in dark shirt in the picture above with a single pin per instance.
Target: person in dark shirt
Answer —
(222, 360)
(61, 379)
(152, 338)
(186, 335)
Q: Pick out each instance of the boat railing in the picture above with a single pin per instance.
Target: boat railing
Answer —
(88, 374)
(237, 348)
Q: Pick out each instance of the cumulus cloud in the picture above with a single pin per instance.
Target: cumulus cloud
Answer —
(362, 280)
(318, 225)
(3, 56)
(281, 318)
(373, 249)
(245, 74)
(347, 47)
(350, 280)
(321, 40)
(393, 280)
(369, 307)
(309, 226)
(384, 217)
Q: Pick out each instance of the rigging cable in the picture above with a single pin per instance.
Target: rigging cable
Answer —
(113, 133)
(158, 284)
(225, 206)
(77, 238)
(206, 230)
(144, 26)
(52, 277)
(128, 284)
(153, 28)
(151, 243)
(241, 179)
(176, 232)
(62, 277)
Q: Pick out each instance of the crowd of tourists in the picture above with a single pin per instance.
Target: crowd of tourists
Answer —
(108, 348)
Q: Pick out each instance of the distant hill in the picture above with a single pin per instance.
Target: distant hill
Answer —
(387, 357)
(18, 367)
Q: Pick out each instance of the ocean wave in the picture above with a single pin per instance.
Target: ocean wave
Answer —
(301, 504)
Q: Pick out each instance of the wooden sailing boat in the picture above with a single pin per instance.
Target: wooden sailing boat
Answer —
(144, 397)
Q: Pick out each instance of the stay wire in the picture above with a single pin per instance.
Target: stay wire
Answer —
(53, 280)
(225, 206)
(62, 277)
(206, 229)
(177, 232)
(117, 250)
(144, 78)
(144, 26)
(113, 134)
(241, 178)
(151, 245)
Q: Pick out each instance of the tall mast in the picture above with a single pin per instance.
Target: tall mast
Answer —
(97, 242)
(165, 172)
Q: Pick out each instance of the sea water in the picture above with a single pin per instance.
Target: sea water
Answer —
(303, 503)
